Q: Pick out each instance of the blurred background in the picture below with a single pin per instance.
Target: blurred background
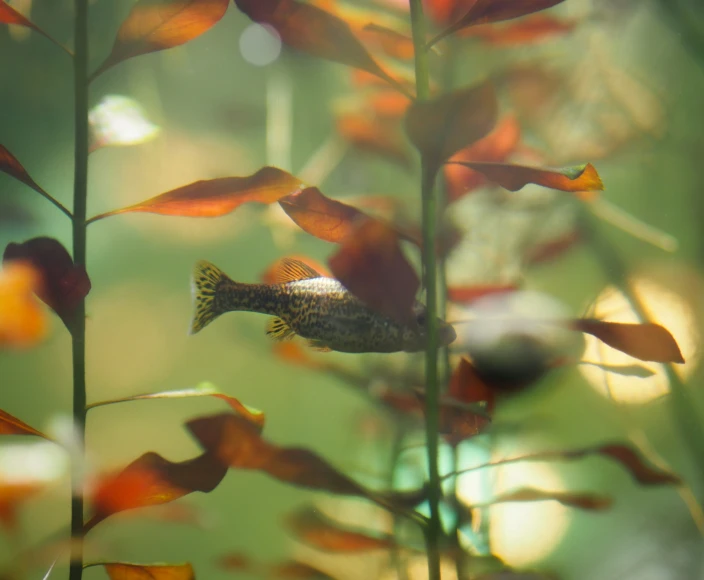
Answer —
(621, 87)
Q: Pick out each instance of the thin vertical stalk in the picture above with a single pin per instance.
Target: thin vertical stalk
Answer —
(78, 328)
(433, 531)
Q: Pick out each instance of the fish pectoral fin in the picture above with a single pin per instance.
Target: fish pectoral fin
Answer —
(319, 345)
(278, 329)
(290, 270)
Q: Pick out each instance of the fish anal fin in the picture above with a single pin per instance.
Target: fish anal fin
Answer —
(319, 345)
(278, 329)
(290, 270)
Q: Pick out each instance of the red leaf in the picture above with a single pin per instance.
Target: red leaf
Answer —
(311, 527)
(10, 425)
(238, 444)
(8, 15)
(153, 480)
(371, 265)
(125, 571)
(154, 25)
(648, 342)
(217, 197)
(514, 177)
(9, 163)
(63, 284)
(485, 11)
(23, 322)
(495, 147)
(584, 501)
(312, 30)
(467, 387)
(469, 294)
(379, 137)
(530, 30)
(440, 127)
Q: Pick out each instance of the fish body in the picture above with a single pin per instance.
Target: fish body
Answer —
(302, 302)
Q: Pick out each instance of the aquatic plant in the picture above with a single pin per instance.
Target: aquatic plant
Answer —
(458, 133)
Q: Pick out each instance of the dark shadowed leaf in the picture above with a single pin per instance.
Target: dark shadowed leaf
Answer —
(217, 197)
(514, 177)
(10, 165)
(297, 571)
(440, 127)
(10, 425)
(485, 11)
(311, 527)
(8, 15)
(583, 501)
(495, 147)
(255, 416)
(378, 137)
(152, 480)
(647, 342)
(534, 29)
(238, 443)
(371, 265)
(63, 284)
(468, 294)
(467, 387)
(154, 25)
(125, 571)
(312, 30)
(23, 321)
(269, 276)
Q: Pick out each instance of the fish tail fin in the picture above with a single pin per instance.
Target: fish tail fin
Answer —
(205, 284)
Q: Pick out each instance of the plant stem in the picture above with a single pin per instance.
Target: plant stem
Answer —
(78, 330)
(433, 530)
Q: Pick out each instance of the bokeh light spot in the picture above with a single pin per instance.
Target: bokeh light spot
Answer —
(260, 45)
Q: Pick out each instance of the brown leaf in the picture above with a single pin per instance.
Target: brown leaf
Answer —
(297, 571)
(238, 444)
(485, 11)
(584, 501)
(514, 177)
(9, 163)
(11, 425)
(467, 387)
(378, 137)
(371, 265)
(125, 571)
(312, 30)
(530, 30)
(154, 25)
(440, 127)
(63, 285)
(217, 197)
(647, 342)
(23, 322)
(495, 147)
(8, 15)
(309, 526)
(469, 294)
(152, 480)
(637, 466)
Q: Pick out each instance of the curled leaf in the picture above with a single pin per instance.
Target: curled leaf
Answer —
(217, 197)
(11, 425)
(440, 127)
(63, 284)
(125, 571)
(255, 416)
(153, 480)
(371, 265)
(583, 501)
(313, 30)
(514, 177)
(23, 322)
(647, 342)
(309, 526)
(485, 11)
(160, 24)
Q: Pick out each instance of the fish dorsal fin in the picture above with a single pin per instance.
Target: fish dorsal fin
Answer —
(290, 270)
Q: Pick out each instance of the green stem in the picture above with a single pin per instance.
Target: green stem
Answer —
(433, 531)
(78, 330)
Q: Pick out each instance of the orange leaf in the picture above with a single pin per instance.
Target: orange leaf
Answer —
(371, 265)
(10, 425)
(308, 525)
(63, 284)
(125, 571)
(157, 25)
(648, 342)
(269, 275)
(379, 137)
(514, 177)
(8, 15)
(495, 147)
(8, 162)
(153, 480)
(238, 443)
(298, 571)
(312, 30)
(217, 197)
(440, 127)
(468, 294)
(584, 501)
(530, 30)
(23, 323)
(391, 42)
(485, 11)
